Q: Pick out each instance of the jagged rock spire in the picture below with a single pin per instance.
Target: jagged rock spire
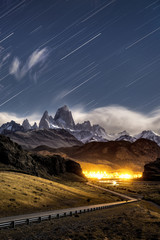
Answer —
(26, 125)
(63, 118)
(44, 122)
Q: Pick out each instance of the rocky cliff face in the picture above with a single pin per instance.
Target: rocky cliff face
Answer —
(26, 125)
(152, 171)
(35, 127)
(44, 122)
(13, 157)
(63, 118)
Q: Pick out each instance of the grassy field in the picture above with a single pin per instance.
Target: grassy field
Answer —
(21, 193)
(142, 189)
(127, 222)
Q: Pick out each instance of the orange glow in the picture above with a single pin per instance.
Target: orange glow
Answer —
(113, 175)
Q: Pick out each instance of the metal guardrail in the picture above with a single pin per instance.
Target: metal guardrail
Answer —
(58, 213)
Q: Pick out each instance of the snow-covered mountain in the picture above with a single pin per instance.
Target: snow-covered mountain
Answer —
(15, 127)
(10, 127)
(147, 134)
(63, 118)
(84, 132)
(126, 138)
(150, 135)
(115, 136)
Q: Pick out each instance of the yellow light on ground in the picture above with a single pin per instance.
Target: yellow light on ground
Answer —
(114, 175)
(126, 176)
(114, 183)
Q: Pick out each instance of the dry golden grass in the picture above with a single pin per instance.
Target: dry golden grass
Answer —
(21, 193)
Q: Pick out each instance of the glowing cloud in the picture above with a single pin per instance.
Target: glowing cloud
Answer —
(118, 118)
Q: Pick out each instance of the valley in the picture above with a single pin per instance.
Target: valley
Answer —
(61, 165)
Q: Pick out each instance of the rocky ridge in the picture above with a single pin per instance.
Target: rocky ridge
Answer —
(83, 132)
(113, 155)
(13, 157)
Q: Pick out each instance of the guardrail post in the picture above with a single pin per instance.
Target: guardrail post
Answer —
(13, 224)
(70, 213)
(57, 215)
(76, 212)
(39, 219)
(84, 210)
(27, 221)
(80, 211)
(65, 214)
(50, 217)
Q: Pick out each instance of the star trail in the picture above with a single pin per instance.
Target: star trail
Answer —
(83, 53)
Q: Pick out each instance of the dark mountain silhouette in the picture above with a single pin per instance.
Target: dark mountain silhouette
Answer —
(114, 154)
(51, 137)
(13, 157)
(152, 171)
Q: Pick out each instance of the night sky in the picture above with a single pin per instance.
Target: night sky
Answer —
(88, 53)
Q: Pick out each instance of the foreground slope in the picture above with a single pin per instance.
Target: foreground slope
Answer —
(127, 222)
(21, 193)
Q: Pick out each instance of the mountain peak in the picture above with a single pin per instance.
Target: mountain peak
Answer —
(35, 127)
(44, 122)
(65, 108)
(45, 113)
(26, 125)
(63, 118)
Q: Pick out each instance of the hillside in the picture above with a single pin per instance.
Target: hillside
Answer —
(113, 154)
(13, 157)
(54, 138)
(21, 193)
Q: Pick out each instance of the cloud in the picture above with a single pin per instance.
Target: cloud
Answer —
(113, 118)
(118, 118)
(7, 117)
(15, 67)
(37, 58)
(4, 59)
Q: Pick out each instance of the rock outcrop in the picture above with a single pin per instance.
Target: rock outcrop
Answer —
(44, 122)
(63, 118)
(26, 125)
(35, 127)
(152, 171)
